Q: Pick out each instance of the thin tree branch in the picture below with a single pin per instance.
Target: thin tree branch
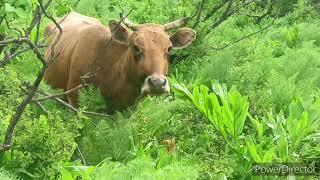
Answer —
(18, 53)
(223, 17)
(37, 14)
(245, 37)
(38, 30)
(42, 108)
(81, 156)
(198, 14)
(34, 88)
(214, 10)
(15, 119)
(65, 104)
(229, 11)
(76, 3)
(20, 109)
(73, 108)
(60, 94)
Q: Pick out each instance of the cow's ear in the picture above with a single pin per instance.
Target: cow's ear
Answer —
(119, 30)
(182, 38)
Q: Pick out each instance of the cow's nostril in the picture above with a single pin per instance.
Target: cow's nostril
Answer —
(164, 82)
(156, 84)
(150, 81)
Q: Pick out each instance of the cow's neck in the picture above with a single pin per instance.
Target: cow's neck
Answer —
(117, 73)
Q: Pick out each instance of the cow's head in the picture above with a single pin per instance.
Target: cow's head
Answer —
(148, 51)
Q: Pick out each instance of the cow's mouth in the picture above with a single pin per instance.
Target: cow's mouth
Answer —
(156, 93)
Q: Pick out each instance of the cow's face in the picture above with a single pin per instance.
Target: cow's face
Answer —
(148, 51)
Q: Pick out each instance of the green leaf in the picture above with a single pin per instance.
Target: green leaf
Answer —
(20, 12)
(8, 7)
(228, 118)
(65, 174)
(283, 148)
(252, 150)
(218, 89)
(295, 109)
(180, 89)
(240, 108)
(258, 126)
(268, 156)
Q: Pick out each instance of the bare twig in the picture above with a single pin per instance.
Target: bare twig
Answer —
(40, 10)
(60, 94)
(95, 66)
(52, 55)
(223, 17)
(198, 13)
(18, 53)
(75, 109)
(214, 10)
(194, 12)
(38, 30)
(229, 11)
(20, 109)
(14, 40)
(37, 14)
(42, 108)
(1, 39)
(76, 3)
(246, 3)
(17, 116)
(81, 156)
(245, 37)
(65, 104)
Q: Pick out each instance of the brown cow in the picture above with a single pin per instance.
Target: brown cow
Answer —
(131, 60)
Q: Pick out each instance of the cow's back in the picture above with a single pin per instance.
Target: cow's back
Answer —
(58, 71)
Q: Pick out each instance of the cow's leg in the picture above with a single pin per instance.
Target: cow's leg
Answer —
(73, 99)
(73, 96)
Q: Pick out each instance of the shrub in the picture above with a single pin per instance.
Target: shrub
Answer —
(6, 175)
(144, 167)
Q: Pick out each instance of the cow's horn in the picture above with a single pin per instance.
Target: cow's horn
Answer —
(130, 24)
(176, 24)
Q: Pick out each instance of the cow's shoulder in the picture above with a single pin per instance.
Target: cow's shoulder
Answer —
(96, 33)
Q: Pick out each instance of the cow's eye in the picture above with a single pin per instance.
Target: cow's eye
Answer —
(136, 53)
(136, 49)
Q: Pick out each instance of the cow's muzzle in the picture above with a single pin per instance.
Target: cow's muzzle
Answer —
(155, 84)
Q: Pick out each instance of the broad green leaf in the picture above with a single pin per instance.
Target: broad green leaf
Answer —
(253, 151)
(180, 89)
(195, 97)
(209, 107)
(258, 126)
(299, 132)
(20, 12)
(218, 89)
(203, 94)
(239, 107)
(268, 156)
(8, 7)
(65, 174)
(228, 118)
(295, 109)
(282, 147)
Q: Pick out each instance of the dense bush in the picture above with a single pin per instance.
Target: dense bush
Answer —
(6, 175)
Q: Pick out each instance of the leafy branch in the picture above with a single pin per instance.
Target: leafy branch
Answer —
(28, 98)
(32, 90)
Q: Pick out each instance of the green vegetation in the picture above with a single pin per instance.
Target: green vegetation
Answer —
(246, 91)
